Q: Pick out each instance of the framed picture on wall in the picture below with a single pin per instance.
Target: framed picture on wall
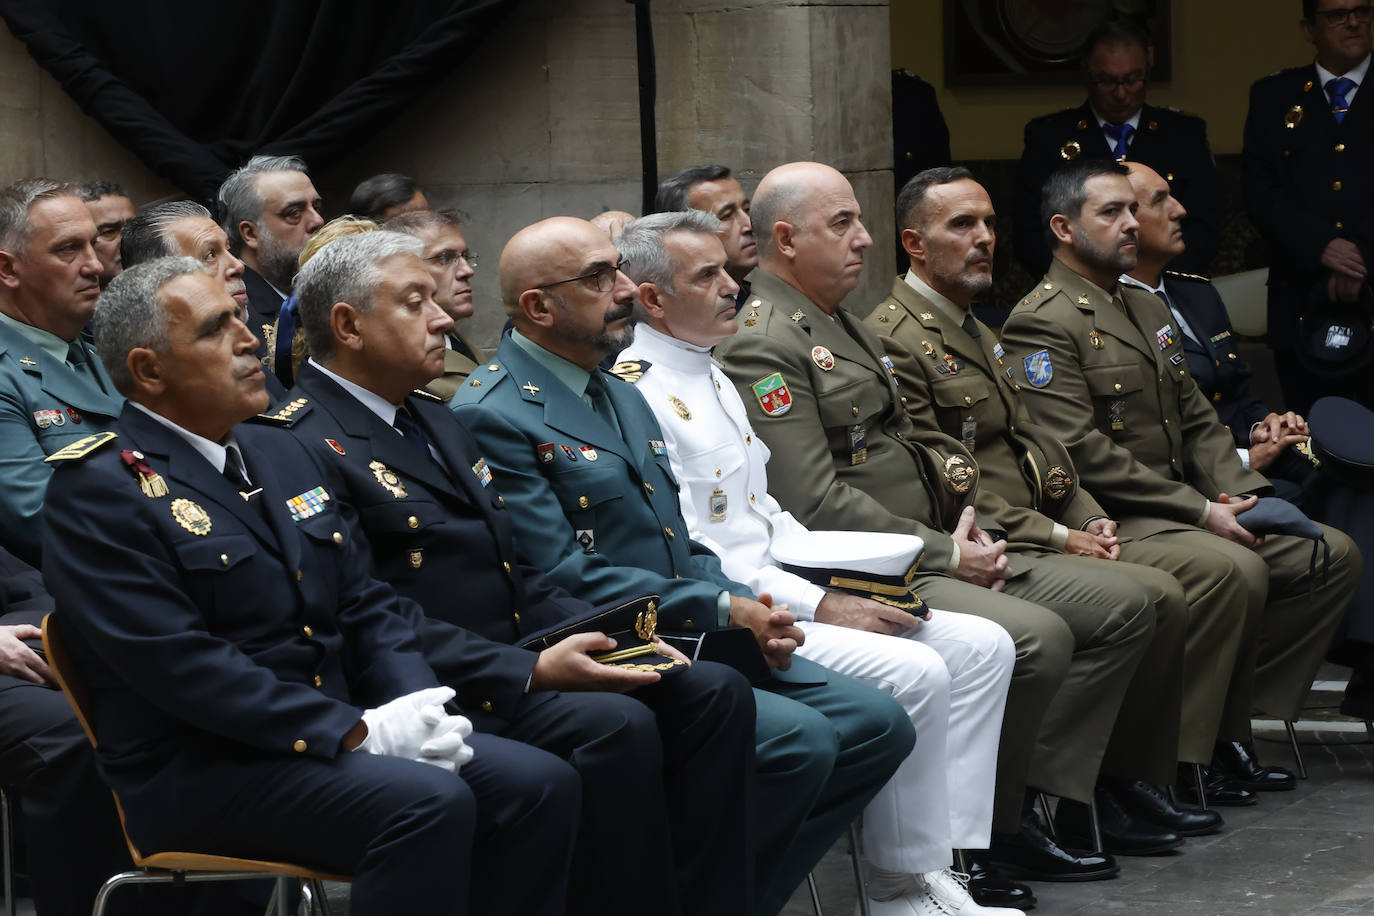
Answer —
(1039, 42)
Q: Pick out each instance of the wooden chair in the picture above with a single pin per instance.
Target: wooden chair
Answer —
(177, 867)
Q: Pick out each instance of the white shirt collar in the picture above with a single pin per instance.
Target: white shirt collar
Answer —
(213, 452)
(657, 347)
(1133, 120)
(1356, 74)
(1132, 281)
(369, 399)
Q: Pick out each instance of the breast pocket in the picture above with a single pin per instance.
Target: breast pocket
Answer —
(217, 575)
(850, 402)
(959, 392)
(1114, 381)
(587, 493)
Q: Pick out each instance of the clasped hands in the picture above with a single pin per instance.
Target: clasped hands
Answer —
(416, 727)
(1272, 435)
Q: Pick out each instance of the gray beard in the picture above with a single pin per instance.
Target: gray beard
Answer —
(276, 263)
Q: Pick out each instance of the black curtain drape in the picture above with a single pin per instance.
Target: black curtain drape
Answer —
(195, 89)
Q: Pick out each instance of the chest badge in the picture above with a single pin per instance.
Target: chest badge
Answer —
(1095, 339)
(797, 315)
(191, 517)
(1070, 151)
(679, 408)
(998, 353)
(74, 414)
(1116, 414)
(25, 361)
(482, 471)
(307, 504)
(1165, 336)
(773, 395)
(718, 505)
(891, 369)
(587, 452)
(388, 479)
(1038, 368)
(586, 539)
(823, 358)
(546, 452)
(333, 444)
(1293, 117)
(149, 481)
(1083, 299)
(568, 450)
(657, 447)
(928, 348)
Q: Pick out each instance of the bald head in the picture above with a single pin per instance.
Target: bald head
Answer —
(806, 222)
(561, 286)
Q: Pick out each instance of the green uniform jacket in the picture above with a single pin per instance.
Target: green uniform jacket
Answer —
(1109, 377)
(44, 405)
(844, 454)
(957, 388)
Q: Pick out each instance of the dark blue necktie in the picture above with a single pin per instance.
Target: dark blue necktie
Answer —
(1337, 88)
(1120, 135)
(410, 430)
(286, 334)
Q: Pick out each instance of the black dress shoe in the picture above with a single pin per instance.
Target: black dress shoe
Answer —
(1221, 790)
(1358, 702)
(1122, 833)
(989, 887)
(1237, 761)
(1153, 804)
(1031, 854)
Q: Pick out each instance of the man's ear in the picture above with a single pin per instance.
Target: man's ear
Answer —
(914, 244)
(9, 270)
(343, 322)
(1062, 228)
(146, 370)
(248, 231)
(784, 239)
(650, 300)
(536, 308)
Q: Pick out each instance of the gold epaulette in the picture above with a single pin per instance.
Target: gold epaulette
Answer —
(631, 370)
(287, 414)
(1182, 276)
(81, 447)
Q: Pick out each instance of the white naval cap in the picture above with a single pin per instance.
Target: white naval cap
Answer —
(870, 553)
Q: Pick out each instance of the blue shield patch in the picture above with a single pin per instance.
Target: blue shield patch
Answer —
(1038, 368)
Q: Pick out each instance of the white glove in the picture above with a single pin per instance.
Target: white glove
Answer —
(446, 747)
(401, 727)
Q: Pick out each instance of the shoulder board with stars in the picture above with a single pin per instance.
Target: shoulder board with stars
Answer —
(81, 448)
(1182, 276)
(631, 370)
(287, 414)
(427, 395)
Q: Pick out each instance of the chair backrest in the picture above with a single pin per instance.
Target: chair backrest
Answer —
(1247, 301)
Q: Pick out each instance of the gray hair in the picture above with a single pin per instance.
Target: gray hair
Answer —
(784, 202)
(145, 235)
(239, 199)
(15, 203)
(641, 244)
(129, 315)
(913, 193)
(1066, 191)
(345, 270)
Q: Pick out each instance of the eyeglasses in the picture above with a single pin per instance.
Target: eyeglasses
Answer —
(605, 277)
(1130, 82)
(448, 257)
(1358, 14)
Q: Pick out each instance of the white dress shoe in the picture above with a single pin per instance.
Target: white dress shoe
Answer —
(950, 889)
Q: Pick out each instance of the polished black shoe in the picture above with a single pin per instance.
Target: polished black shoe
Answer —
(1032, 855)
(1221, 790)
(989, 887)
(1122, 833)
(1237, 762)
(1358, 702)
(1153, 804)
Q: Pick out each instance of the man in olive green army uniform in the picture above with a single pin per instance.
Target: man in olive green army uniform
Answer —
(1102, 366)
(954, 376)
(822, 396)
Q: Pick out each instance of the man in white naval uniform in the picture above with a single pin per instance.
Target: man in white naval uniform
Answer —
(950, 672)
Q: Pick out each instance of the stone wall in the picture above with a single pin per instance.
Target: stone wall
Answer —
(544, 118)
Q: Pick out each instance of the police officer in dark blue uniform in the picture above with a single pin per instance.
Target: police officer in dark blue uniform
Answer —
(1115, 123)
(254, 691)
(430, 507)
(1309, 137)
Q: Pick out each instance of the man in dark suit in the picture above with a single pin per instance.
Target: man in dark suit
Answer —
(1308, 185)
(235, 649)
(1115, 123)
(435, 519)
(268, 208)
(592, 495)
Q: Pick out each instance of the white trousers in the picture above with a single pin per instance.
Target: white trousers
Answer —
(951, 676)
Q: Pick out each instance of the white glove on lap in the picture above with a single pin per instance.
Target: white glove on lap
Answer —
(416, 727)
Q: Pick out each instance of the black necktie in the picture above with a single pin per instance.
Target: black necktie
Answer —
(971, 327)
(234, 473)
(601, 401)
(410, 430)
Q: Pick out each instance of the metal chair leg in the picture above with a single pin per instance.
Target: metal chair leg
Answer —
(1095, 828)
(815, 894)
(854, 853)
(1045, 810)
(1297, 753)
(6, 825)
(1200, 785)
(317, 896)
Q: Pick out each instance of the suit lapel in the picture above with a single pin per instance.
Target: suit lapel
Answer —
(442, 428)
(263, 469)
(563, 410)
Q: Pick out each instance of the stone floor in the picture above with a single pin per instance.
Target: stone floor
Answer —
(1310, 851)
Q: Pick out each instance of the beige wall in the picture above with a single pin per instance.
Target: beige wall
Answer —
(1220, 47)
